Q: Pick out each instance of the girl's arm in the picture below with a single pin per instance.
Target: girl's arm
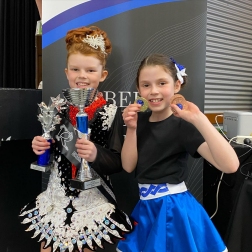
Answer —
(40, 145)
(39, 5)
(215, 149)
(105, 160)
(129, 150)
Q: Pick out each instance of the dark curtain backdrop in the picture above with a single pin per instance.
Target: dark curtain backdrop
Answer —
(18, 19)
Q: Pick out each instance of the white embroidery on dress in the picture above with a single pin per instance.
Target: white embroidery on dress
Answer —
(92, 207)
(108, 116)
(64, 136)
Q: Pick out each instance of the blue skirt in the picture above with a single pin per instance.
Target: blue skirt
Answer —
(172, 223)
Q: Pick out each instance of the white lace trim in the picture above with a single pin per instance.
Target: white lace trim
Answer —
(108, 116)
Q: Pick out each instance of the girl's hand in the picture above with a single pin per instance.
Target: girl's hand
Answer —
(86, 149)
(40, 145)
(191, 114)
(130, 115)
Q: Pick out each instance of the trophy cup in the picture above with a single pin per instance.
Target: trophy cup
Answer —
(49, 118)
(81, 98)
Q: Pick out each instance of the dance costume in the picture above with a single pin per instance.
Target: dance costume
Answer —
(68, 219)
(169, 218)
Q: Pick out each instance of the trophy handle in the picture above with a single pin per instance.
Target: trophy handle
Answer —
(84, 179)
(44, 159)
(43, 162)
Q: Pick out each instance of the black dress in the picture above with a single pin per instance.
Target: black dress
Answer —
(69, 219)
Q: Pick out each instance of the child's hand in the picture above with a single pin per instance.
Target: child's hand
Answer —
(191, 114)
(130, 115)
(40, 145)
(86, 149)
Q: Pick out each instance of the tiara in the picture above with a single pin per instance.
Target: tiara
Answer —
(95, 42)
(180, 70)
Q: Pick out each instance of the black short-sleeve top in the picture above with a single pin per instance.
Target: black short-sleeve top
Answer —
(163, 149)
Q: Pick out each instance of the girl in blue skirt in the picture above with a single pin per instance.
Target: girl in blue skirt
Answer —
(157, 144)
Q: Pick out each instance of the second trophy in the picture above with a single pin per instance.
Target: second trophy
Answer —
(81, 98)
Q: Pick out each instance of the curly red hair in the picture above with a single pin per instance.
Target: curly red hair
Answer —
(74, 43)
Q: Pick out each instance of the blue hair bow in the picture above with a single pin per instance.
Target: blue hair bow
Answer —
(180, 70)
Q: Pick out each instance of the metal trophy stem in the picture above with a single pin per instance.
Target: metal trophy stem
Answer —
(82, 126)
(82, 97)
(43, 162)
(48, 118)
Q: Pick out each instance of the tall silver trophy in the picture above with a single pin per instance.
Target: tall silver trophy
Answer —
(81, 98)
(48, 117)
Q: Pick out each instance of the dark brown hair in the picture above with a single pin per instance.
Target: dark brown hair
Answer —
(160, 60)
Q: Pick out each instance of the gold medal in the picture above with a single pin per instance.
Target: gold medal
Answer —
(179, 100)
(143, 102)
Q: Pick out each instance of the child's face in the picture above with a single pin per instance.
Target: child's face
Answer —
(84, 71)
(157, 86)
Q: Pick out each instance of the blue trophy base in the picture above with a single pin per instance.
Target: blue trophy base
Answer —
(42, 168)
(84, 185)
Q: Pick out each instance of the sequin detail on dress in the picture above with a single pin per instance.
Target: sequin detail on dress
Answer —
(90, 213)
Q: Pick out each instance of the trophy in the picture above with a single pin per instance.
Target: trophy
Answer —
(81, 98)
(49, 118)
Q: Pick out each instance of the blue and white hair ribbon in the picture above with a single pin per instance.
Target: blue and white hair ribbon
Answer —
(180, 71)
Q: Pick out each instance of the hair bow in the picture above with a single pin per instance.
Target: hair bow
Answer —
(180, 71)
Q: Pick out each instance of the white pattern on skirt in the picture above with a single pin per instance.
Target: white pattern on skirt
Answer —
(91, 209)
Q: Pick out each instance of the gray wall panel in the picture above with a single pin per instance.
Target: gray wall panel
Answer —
(228, 56)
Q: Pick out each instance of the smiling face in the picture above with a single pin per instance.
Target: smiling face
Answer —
(84, 71)
(157, 86)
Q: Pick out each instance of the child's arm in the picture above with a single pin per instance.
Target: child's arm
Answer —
(129, 150)
(39, 5)
(215, 149)
(105, 160)
(40, 145)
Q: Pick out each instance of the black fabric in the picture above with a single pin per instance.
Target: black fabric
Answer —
(240, 230)
(18, 21)
(107, 162)
(18, 115)
(228, 192)
(18, 184)
(66, 139)
(163, 149)
(108, 143)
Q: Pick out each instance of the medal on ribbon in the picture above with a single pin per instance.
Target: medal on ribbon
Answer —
(143, 102)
